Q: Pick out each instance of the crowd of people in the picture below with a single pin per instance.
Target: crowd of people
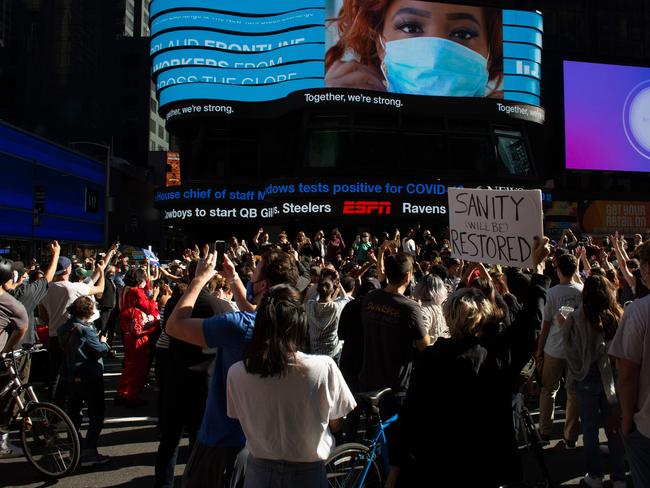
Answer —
(259, 351)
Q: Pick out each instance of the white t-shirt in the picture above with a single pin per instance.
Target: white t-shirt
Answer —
(60, 296)
(632, 342)
(287, 418)
(408, 246)
(559, 296)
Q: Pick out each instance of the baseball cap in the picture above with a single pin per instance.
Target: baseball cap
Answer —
(61, 265)
(82, 273)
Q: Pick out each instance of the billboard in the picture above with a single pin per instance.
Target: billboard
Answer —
(341, 52)
(607, 217)
(308, 199)
(607, 117)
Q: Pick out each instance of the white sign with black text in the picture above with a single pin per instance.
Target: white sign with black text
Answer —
(495, 226)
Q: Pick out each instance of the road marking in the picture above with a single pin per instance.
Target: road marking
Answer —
(117, 420)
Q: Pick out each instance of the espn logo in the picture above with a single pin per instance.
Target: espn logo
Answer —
(366, 208)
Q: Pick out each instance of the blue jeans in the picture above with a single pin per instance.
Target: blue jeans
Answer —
(266, 473)
(594, 410)
(638, 452)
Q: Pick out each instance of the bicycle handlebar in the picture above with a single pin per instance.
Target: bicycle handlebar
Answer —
(26, 349)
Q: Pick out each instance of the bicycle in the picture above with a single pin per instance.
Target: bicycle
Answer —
(528, 434)
(49, 438)
(354, 464)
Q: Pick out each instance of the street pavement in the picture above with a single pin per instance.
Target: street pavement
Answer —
(130, 438)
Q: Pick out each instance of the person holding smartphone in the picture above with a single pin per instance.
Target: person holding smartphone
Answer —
(218, 458)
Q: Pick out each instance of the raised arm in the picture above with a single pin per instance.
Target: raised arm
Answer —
(621, 242)
(236, 285)
(156, 275)
(622, 262)
(180, 324)
(51, 269)
(109, 255)
(586, 266)
(170, 276)
(521, 334)
(257, 236)
(98, 287)
(381, 274)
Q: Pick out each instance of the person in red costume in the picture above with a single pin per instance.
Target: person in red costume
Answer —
(139, 317)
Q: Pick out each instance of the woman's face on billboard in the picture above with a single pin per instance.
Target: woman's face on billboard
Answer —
(411, 18)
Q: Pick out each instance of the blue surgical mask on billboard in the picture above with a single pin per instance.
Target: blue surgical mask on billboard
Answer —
(434, 66)
(250, 295)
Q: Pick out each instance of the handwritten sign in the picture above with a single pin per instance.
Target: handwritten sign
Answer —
(494, 226)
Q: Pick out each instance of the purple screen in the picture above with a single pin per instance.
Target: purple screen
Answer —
(607, 117)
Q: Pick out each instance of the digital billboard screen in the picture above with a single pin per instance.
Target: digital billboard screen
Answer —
(315, 51)
(607, 117)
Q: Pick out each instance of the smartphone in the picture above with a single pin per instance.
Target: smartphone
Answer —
(220, 249)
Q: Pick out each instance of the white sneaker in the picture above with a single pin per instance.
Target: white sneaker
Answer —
(619, 484)
(7, 449)
(592, 482)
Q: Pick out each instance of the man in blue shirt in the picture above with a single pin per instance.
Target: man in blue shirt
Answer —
(219, 453)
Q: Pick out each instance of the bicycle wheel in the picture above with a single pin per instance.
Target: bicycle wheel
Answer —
(50, 440)
(345, 468)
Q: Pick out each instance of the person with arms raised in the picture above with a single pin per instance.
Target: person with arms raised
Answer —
(455, 427)
(218, 457)
(54, 311)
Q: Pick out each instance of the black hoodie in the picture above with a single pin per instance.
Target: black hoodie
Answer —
(455, 427)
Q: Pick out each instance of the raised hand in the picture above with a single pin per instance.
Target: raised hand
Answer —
(205, 268)
(541, 251)
(228, 268)
(55, 248)
(187, 255)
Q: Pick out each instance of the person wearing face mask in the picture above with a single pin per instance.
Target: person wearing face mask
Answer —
(417, 48)
(218, 458)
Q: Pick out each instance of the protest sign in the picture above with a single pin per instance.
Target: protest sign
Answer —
(151, 257)
(495, 226)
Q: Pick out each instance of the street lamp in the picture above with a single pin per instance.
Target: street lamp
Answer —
(109, 155)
